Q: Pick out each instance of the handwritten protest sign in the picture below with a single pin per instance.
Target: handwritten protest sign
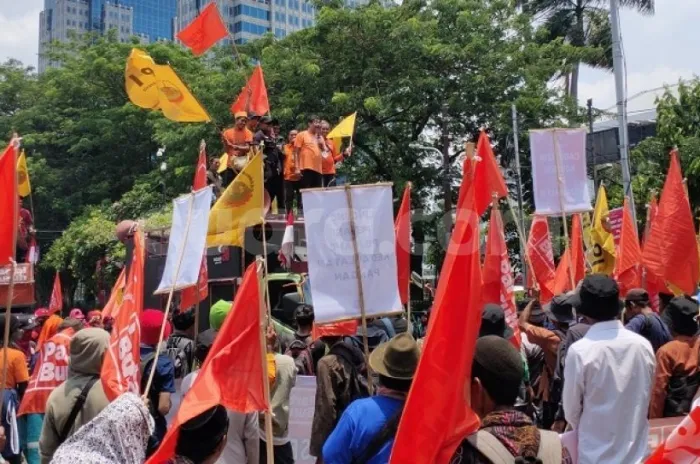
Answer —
(559, 177)
(331, 257)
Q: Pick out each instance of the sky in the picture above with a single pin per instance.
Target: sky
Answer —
(654, 56)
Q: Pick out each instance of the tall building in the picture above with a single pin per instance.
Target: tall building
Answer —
(250, 19)
(150, 20)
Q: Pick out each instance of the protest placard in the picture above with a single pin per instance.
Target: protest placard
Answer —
(331, 235)
(302, 402)
(188, 235)
(559, 177)
(615, 223)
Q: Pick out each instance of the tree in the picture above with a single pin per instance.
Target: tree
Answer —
(582, 23)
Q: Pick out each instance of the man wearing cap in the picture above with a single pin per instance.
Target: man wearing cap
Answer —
(641, 320)
(366, 430)
(505, 432)
(237, 141)
(609, 375)
(677, 366)
(272, 159)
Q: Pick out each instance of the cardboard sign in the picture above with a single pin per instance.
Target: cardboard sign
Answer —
(301, 415)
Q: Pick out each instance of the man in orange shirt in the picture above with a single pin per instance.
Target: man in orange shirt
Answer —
(292, 176)
(331, 155)
(307, 149)
(237, 141)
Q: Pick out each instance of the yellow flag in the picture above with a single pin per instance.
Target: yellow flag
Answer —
(240, 206)
(24, 188)
(157, 87)
(223, 163)
(345, 128)
(586, 224)
(602, 253)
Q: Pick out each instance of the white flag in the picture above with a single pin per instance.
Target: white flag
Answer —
(186, 244)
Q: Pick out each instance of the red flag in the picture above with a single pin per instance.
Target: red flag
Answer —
(402, 228)
(562, 275)
(286, 253)
(628, 266)
(115, 298)
(670, 252)
(253, 97)
(539, 252)
(56, 302)
(200, 175)
(682, 445)
(120, 368)
(334, 329)
(497, 274)
(652, 283)
(204, 31)
(191, 295)
(50, 371)
(9, 204)
(487, 175)
(577, 250)
(232, 374)
(432, 426)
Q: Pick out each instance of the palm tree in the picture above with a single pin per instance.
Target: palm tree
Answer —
(582, 23)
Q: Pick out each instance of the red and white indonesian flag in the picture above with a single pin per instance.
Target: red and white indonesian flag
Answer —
(188, 236)
(286, 252)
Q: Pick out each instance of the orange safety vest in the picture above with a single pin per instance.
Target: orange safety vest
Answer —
(51, 370)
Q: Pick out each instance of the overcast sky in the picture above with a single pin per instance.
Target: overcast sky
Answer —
(654, 56)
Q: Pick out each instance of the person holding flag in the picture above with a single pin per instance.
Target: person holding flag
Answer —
(331, 155)
(308, 147)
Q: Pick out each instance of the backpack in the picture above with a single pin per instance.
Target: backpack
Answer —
(358, 386)
(179, 350)
(550, 451)
(303, 360)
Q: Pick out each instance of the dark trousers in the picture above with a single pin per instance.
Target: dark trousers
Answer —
(274, 188)
(291, 193)
(284, 454)
(328, 179)
(311, 179)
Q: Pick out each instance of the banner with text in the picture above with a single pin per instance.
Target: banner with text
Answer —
(331, 257)
(559, 154)
(302, 402)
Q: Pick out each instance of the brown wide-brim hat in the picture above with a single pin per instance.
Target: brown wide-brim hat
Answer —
(397, 358)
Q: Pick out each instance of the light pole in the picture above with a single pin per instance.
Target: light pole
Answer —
(446, 188)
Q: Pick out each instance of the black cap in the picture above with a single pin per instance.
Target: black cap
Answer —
(493, 322)
(200, 436)
(265, 120)
(204, 342)
(599, 297)
(637, 295)
(681, 315)
(499, 367)
(561, 308)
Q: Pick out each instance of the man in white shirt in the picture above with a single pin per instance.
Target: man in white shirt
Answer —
(608, 377)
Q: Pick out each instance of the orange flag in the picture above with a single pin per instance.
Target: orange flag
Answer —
(682, 445)
(497, 274)
(334, 329)
(562, 275)
(207, 29)
(402, 227)
(487, 175)
(652, 211)
(253, 97)
(670, 252)
(115, 298)
(432, 426)
(9, 205)
(577, 250)
(628, 269)
(232, 374)
(56, 302)
(120, 368)
(50, 371)
(200, 174)
(539, 252)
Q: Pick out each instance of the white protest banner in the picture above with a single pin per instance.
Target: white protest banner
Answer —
(332, 261)
(188, 235)
(302, 402)
(559, 177)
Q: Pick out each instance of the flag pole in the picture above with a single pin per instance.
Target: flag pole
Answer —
(196, 327)
(264, 240)
(360, 291)
(409, 186)
(560, 182)
(8, 315)
(269, 445)
(170, 297)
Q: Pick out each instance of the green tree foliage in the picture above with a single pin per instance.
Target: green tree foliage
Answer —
(429, 72)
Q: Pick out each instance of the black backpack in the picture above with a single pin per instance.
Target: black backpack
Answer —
(301, 353)
(180, 350)
(358, 372)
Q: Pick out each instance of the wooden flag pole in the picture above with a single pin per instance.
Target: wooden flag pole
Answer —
(560, 182)
(8, 315)
(360, 291)
(170, 298)
(269, 445)
(408, 302)
(264, 241)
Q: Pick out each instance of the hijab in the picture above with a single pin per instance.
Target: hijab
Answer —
(118, 435)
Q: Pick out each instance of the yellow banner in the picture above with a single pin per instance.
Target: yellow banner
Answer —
(157, 87)
(602, 252)
(24, 188)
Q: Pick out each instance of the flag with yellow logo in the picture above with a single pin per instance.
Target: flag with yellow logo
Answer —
(24, 188)
(602, 252)
(240, 206)
(157, 87)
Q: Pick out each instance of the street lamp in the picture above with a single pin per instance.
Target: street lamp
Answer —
(446, 188)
